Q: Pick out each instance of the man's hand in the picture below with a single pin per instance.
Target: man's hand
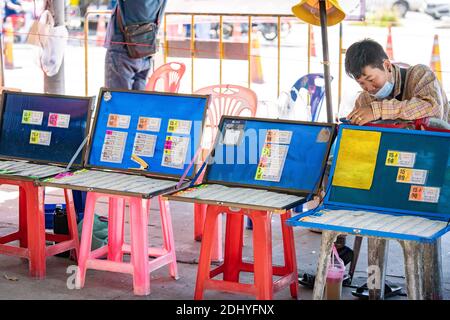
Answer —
(361, 116)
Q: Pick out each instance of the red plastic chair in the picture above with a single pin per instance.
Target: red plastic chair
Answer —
(169, 75)
(226, 99)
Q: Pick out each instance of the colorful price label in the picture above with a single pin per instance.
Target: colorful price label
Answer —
(175, 151)
(149, 124)
(113, 146)
(59, 120)
(278, 136)
(119, 121)
(144, 144)
(424, 194)
(415, 176)
(32, 117)
(266, 150)
(40, 137)
(271, 163)
(400, 159)
(179, 126)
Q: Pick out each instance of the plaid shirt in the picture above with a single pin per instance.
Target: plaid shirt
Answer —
(423, 96)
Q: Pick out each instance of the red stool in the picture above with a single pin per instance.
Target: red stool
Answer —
(31, 234)
(139, 266)
(199, 221)
(263, 287)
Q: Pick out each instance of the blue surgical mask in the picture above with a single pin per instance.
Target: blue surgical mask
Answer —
(385, 91)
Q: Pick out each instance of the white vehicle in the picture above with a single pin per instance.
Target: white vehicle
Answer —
(401, 6)
(438, 8)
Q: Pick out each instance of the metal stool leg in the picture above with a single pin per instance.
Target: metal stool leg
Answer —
(356, 250)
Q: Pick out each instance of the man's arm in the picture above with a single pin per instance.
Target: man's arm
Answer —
(362, 112)
(426, 99)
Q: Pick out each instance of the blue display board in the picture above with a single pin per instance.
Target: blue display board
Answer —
(154, 133)
(42, 127)
(411, 173)
(274, 154)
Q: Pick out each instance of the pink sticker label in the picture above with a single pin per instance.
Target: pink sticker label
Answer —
(53, 120)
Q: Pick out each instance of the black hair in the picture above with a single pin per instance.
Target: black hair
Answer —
(361, 54)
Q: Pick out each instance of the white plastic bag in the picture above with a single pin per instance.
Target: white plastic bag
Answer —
(53, 44)
(301, 110)
(284, 106)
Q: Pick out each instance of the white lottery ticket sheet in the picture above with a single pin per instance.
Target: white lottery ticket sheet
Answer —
(119, 121)
(366, 220)
(179, 126)
(40, 137)
(31, 170)
(271, 163)
(278, 136)
(245, 196)
(175, 151)
(149, 124)
(113, 146)
(59, 120)
(144, 144)
(32, 117)
(119, 182)
(231, 137)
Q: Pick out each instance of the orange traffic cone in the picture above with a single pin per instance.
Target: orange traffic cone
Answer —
(256, 74)
(312, 44)
(389, 49)
(8, 41)
(435, 64)
(101, 31)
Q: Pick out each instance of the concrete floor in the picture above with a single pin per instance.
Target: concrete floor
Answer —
(16, 284)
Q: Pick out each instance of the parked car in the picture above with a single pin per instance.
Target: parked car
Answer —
(401, 6)
(438, 8)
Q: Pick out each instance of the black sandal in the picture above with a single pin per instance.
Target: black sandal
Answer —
(390, 290)
(307, 280)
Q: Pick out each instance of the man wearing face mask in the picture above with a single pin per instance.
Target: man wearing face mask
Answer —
(391, 92)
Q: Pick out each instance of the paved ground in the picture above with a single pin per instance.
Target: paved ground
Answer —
(105, 285)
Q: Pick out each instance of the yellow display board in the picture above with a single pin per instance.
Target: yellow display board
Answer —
(357, 158)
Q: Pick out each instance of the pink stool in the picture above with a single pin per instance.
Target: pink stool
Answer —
(31, 233)
(139, 266)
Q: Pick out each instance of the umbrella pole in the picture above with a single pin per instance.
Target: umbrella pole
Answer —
(326, 60)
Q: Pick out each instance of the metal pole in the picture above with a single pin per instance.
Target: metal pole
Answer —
(166, 44)
(220, 48)
(279, 55)
(309, 48)
(86, 56)
(249, 50)
(56, 83)
(192, 51)
(2, 64)
(341, 52)
(326, 61)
